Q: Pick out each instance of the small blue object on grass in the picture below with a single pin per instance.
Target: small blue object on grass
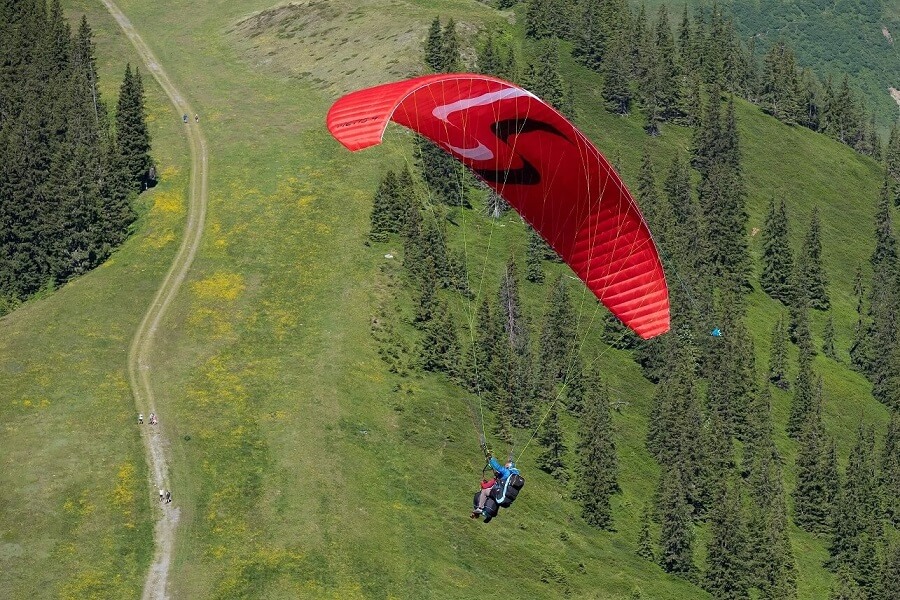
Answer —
(716, 332)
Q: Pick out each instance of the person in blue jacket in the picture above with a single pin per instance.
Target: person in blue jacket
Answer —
(503, 470)
(501, 474)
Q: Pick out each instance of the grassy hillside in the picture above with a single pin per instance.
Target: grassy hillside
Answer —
(76, 518)
(302, 467)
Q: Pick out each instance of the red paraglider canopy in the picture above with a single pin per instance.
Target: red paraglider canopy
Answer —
(538, 162)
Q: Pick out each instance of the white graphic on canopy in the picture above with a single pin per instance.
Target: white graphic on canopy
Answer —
(479, 152)
(443, 112)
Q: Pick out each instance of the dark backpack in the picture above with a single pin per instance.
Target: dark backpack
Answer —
(507, 492)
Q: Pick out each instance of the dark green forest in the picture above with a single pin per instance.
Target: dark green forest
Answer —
(711, 429)
(834, 38)
(69, 171)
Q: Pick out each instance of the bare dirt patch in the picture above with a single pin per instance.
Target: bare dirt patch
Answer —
(339, 45)
(887, 35)
(895, 94)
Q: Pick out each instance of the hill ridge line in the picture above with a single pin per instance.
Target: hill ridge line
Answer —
(155, 442)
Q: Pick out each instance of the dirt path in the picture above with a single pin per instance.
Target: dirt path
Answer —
(155, 441)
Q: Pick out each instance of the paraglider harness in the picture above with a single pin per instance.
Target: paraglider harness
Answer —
(503, 493)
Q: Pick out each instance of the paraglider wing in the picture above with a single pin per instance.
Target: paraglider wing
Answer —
(546, 169)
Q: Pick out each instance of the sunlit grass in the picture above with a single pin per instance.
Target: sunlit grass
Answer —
(302, 467)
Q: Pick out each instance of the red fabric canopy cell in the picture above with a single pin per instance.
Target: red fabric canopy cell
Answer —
(541, 164)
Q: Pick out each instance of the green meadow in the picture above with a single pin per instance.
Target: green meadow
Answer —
(302, 466)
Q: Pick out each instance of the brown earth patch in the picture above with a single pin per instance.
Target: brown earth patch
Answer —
(340, 45)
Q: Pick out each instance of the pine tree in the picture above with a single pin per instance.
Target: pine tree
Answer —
(510, 308)
(575, 385)
(889, 477)
(759, 438)
(616, 90)
(384, 209)
(857, 505)
(892, 162)
(812, 272)
(534, 271)
(434, 43)
(889, 574)
(778, 355)
(721, 199)
(731, 372)
(451, 62)
(537, 19)
(645, 538)
(777, 258)
(443, 175)
(132, 136)
(865, 565)
(845, 588)
(828, 339)
(798, 313)
(557, 341)
(597, 461)
(521, 387)
(772, 568)
(413, 244)
(812, 92)
(501, 400)
(440, 345)
(731, 148)
(457, 273)
(881, 342)
(434, 245)
(545, 79)
(667, 87)
(643, 51)
(489, 61)
(487, 336)
(510, 69)
(647, 194)
(781, 89)
(707, 144)
(803, 400)
(550, 460)
(726, 572)
(842, 117)
(676, 540)
(590, 40)
(495, 205)
(812, 509)
(427, 294)
(831, 477)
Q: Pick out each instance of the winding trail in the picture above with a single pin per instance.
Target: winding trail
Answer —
(155, 442)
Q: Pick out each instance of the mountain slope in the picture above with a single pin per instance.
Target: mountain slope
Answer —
(303, 468)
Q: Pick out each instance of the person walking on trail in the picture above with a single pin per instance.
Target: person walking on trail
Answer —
(184, 118)
(162, 495)
(168, 497)
(140, 418)
(196, 118)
